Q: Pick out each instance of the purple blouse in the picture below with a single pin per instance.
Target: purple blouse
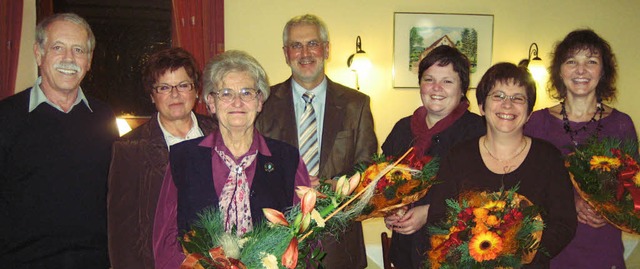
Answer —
(167, 250)
(591, 247)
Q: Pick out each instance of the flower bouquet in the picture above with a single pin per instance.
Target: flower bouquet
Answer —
(404, 184)
(486, 230)
(605, 174)
(276, 243)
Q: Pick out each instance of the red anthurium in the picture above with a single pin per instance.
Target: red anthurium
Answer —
(308, 202)
(290, 256)
(275, 216)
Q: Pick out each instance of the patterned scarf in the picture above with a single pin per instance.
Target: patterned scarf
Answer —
(423, 135)
(234, 199)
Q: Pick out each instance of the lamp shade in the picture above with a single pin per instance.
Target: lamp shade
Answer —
(537, 69)
(359, 62)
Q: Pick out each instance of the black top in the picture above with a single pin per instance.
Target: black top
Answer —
(407, 250)
(542, 177)
(53, 184)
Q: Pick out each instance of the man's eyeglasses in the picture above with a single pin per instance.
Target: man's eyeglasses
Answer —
(182, 87)
(245, 94)
(313, 44)
(501, 97)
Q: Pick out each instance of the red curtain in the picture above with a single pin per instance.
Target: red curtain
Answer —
(198, 27)
(10, 29)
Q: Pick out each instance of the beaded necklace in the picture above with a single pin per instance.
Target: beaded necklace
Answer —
(574, 133)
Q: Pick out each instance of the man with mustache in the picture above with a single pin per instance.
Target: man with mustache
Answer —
(55, 148)
(331, 124)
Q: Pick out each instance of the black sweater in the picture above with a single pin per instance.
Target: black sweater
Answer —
(53, 173)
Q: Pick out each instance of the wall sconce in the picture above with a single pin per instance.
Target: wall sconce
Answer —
(358, 62)
(534, 64)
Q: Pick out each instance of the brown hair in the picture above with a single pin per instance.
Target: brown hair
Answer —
(583, 39)
(169, 60)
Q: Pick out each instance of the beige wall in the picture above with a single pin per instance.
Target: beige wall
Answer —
(256, 27)
(27, 68)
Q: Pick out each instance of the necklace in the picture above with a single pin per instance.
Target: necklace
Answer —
(574, 133)
(484, 143)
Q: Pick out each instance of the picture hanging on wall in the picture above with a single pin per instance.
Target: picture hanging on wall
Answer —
(417, 34)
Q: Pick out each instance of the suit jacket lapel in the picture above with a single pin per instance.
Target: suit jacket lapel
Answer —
(283, 114)
(332, 123)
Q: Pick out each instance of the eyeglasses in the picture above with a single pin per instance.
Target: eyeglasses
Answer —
(501, 97)
(313, 44)
(246, 94)
(182, 87)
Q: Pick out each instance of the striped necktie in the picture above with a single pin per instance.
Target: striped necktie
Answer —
(308, 139)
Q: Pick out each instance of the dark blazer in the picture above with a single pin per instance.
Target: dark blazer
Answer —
(138, 165)
(192, 175)
(347, 139)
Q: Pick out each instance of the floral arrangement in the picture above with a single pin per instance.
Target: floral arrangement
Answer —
(486, 230)
(405, 183)
(278, 242)
(606, 174)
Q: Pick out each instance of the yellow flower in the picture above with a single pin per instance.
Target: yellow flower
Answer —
(493, 205)
(485, 246)
(604, 163)
(636, 179)
(269, 261)
(400, 171)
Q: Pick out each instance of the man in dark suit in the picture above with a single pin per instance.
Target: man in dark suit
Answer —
(342, 133)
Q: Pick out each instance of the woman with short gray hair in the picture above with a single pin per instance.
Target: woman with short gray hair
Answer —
(235, 169)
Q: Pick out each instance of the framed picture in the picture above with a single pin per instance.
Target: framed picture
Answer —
(416, 34)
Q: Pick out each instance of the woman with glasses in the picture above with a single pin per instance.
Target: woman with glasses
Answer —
(505, 158)
(442, 121)
(234, 169)
(583, 74)
(171, 78)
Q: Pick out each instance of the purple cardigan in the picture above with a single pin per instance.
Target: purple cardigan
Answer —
(167, 250)
(591, 247)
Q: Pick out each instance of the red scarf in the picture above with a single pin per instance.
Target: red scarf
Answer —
(422, 134)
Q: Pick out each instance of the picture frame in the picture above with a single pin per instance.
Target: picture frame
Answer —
(416, 34)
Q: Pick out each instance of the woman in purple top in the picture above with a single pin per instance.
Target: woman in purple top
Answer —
(583, 74)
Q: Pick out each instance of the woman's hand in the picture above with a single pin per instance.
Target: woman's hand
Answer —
(588, 215)
(414, 219)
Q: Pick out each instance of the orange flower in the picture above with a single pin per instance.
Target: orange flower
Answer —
(479, 228)
(308, 202)
(275, 216)
(485, 246)
(480, 213)
(290, 256)
(407, 188)
(492, 221)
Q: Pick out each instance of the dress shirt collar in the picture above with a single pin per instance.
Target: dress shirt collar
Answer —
(319, 91)
(38, 97)
(171, 140)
